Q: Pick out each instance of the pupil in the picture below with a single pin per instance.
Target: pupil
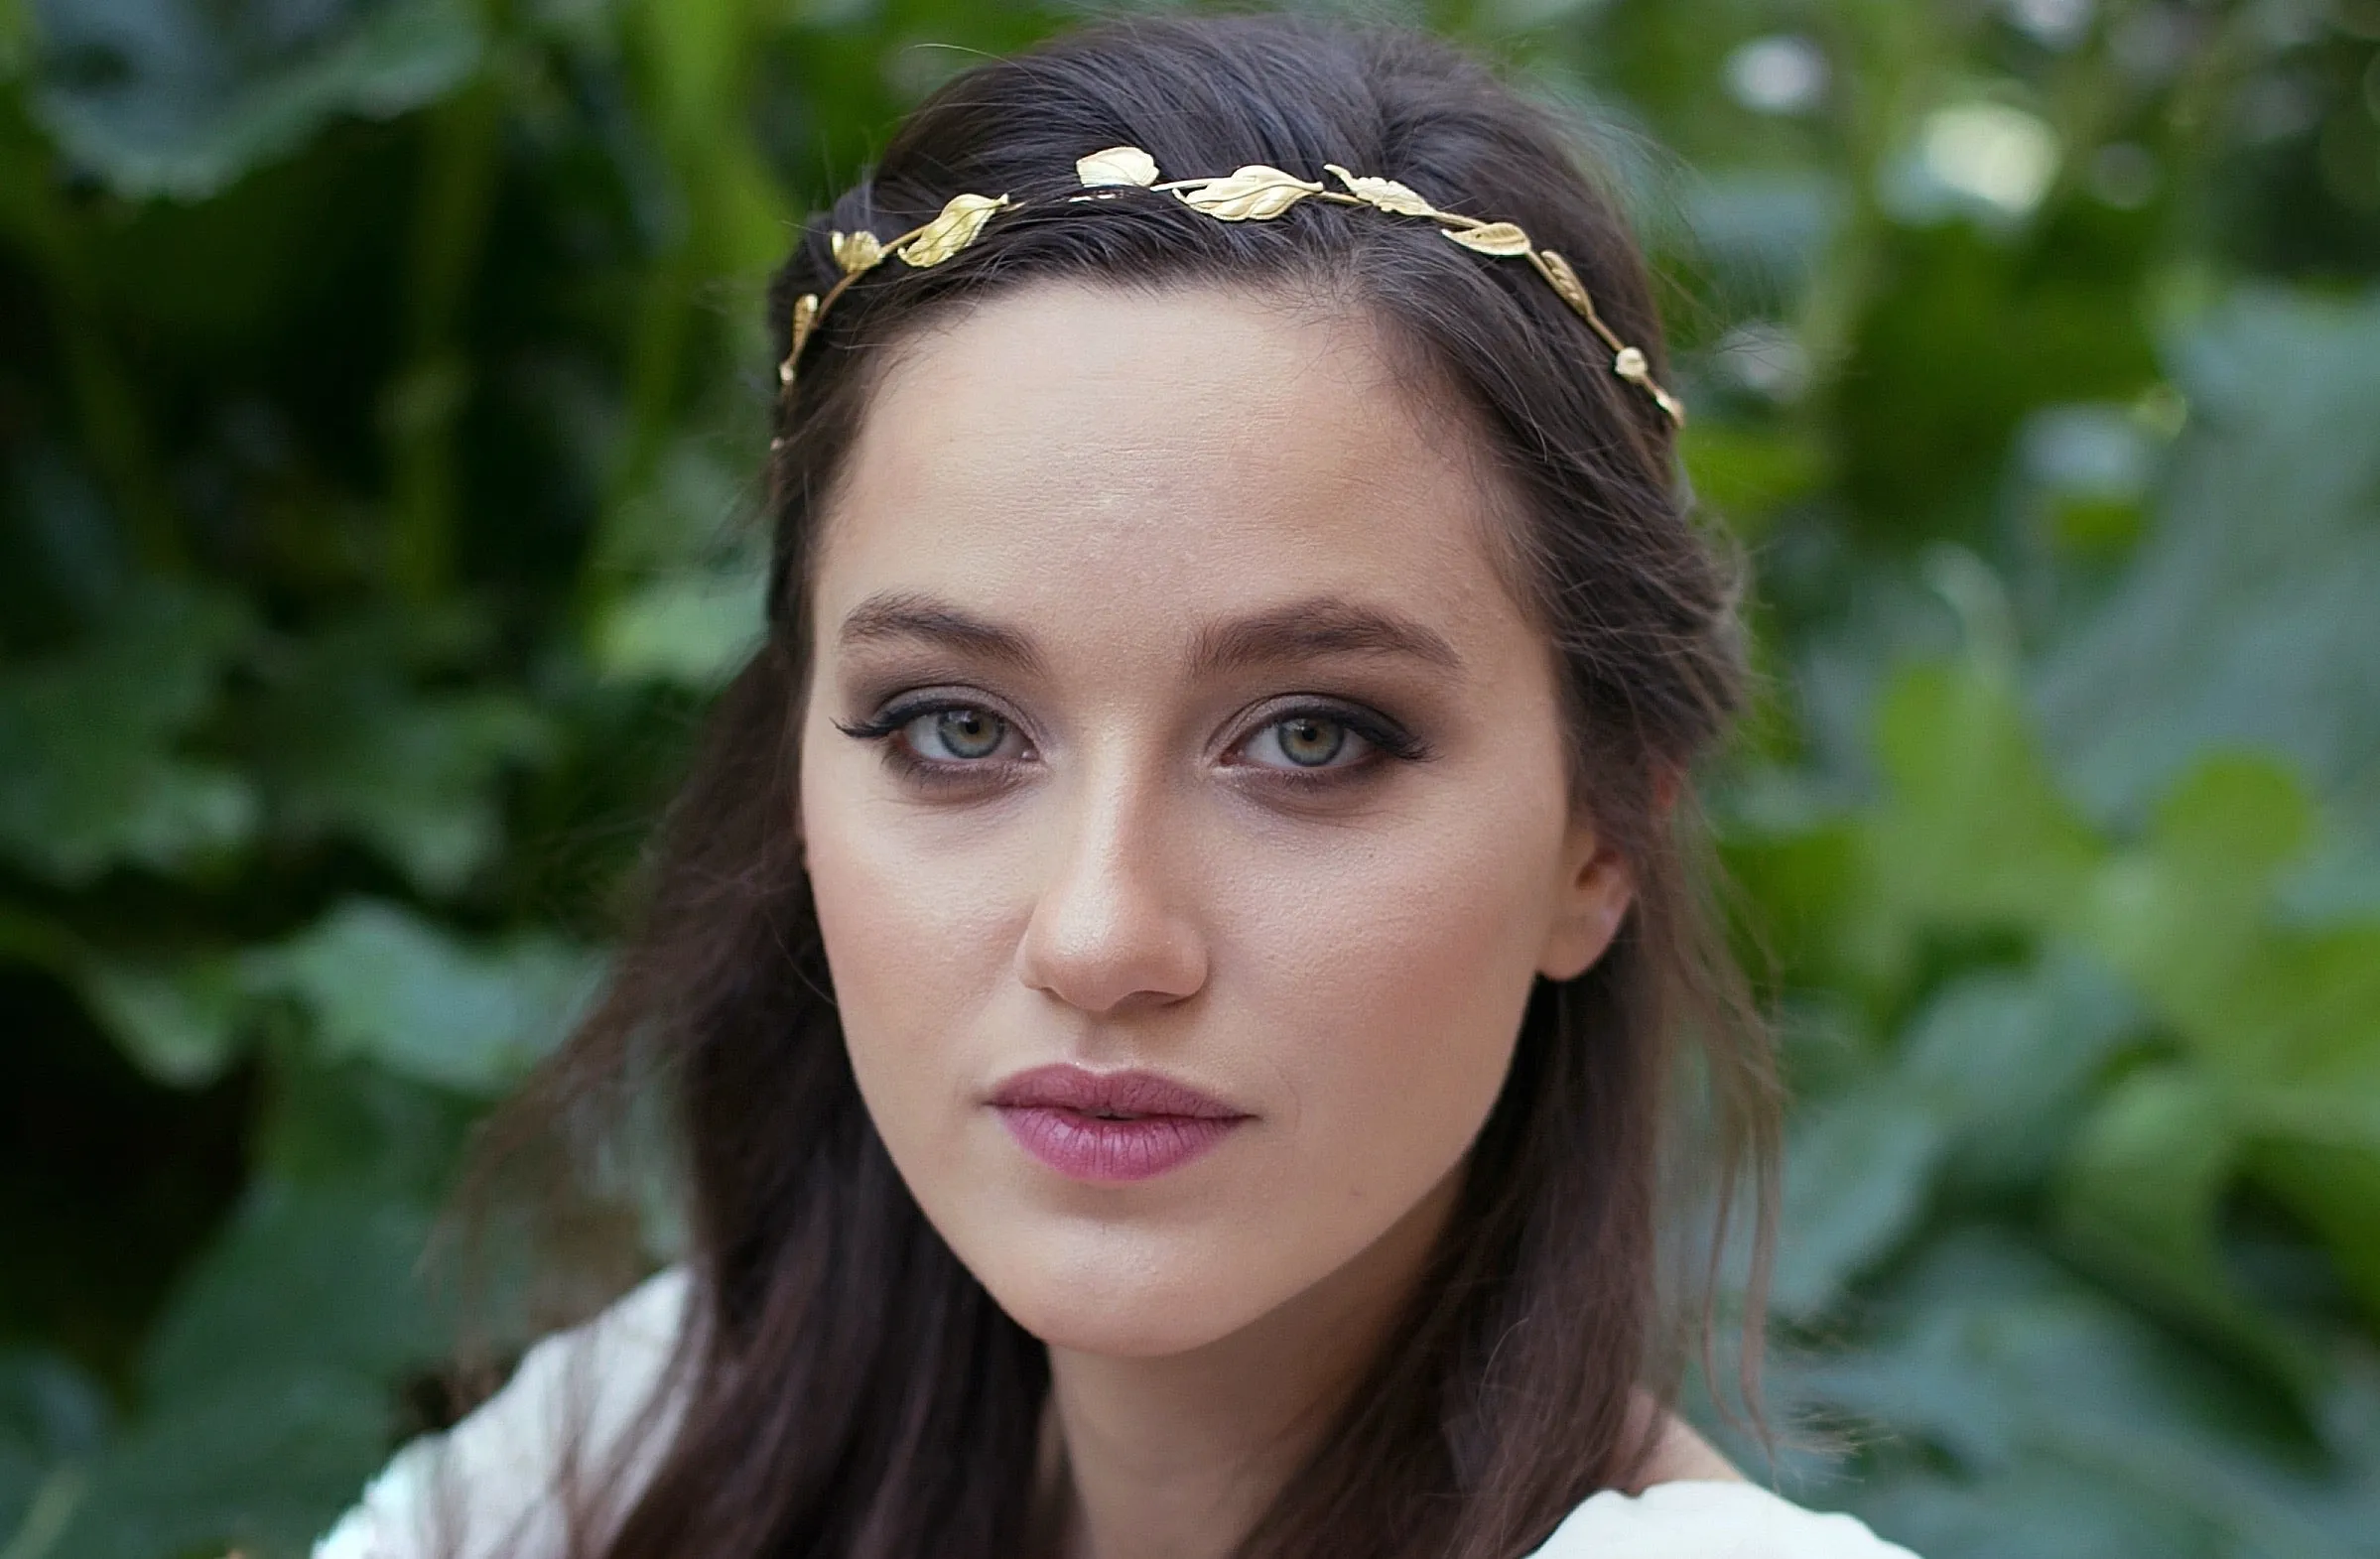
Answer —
(1313, 742)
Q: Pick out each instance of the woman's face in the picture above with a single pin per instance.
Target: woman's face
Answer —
(1184, 799)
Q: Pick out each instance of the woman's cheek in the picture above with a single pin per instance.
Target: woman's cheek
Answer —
(1413, 985)
(912, 928)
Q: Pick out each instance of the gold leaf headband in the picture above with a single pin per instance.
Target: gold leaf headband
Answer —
(1255, 193)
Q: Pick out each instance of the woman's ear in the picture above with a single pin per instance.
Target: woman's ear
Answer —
(1592, 898)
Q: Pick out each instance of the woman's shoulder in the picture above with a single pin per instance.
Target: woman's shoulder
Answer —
(1709, 1518)
(575, 1401)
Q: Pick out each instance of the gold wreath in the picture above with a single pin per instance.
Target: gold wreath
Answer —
(1254, 193)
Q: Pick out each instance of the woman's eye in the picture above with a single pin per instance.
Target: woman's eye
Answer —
(1308, 742)
(955, 735)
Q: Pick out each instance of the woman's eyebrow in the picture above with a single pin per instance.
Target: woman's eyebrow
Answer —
(901, 614)
(1301, 629)
(1318, 625)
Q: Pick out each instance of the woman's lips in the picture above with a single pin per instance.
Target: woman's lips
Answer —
(1111, 1128)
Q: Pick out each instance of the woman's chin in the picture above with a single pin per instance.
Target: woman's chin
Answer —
(1149, 1308)
(1154, 1329)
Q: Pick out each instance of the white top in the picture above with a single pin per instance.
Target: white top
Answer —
(492, 1470)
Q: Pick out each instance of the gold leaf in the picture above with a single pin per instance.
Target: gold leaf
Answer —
(1386, 194)
(961, 219)
(1254, 193)
(1565, 282)
(1502, 239)
(857, 252)
(1116, 165)
(805, 319)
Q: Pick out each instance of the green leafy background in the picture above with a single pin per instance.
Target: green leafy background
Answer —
(380, 400)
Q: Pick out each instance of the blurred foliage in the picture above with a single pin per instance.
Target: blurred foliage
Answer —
(380, 394)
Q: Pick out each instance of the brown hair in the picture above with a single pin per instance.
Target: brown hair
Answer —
(849, 1390)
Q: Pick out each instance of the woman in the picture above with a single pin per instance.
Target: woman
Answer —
(1170, 971)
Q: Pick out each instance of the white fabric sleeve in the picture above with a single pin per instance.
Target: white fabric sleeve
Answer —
(1709, 1520)
(488, 1484)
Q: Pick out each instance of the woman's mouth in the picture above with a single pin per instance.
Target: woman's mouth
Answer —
(1111, 1128)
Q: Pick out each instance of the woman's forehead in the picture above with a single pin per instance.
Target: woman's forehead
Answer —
(1196, 451)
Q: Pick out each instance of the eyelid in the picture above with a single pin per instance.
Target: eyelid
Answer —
(895, 710)
(1387, 738)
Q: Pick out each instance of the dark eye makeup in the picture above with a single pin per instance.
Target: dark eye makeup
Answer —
(942, 736)
(1310, 733)
(968, 729)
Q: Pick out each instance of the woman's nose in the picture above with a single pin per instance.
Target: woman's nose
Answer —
(1110, 932)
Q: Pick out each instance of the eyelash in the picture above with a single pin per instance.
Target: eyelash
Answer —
(1389, 741)
(898, 715)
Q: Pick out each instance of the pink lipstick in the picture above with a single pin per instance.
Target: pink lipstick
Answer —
(1111, 1128)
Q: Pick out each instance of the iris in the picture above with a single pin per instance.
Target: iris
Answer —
(1309, 740)
(964, 734)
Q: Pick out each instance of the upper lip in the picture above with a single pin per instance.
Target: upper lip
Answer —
(1067, 1087)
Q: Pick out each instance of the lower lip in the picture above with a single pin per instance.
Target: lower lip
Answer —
(1113, 1153)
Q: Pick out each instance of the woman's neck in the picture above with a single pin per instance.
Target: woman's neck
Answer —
(1177, 1456)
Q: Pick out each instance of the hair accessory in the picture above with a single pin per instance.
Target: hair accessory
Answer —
(1255, 193)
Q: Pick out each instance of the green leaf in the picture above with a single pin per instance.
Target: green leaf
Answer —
(307, 1277)
(1857, 1169)
(2140, 1201)
(2324, 1113)
(1744, 473)
(89, 774)
(2147, 1172)
(2037, 1508)
(359, 1128)
(689, 630)
(2005, 1364)
(2246, 618)
(16, 28)
(54, 1418)
(2339, 884)
(411, 777)
(178, 1022)
(2332, 1181)
(175, 97)
(266, 1389)
(261, 1469)
(385, 983)
(1974, 833)
(2180, 916)
(2191, 916)
(2008, 1058)
(346, 744)
(49, 1406)
(2304, 1007)
(1799, 864)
